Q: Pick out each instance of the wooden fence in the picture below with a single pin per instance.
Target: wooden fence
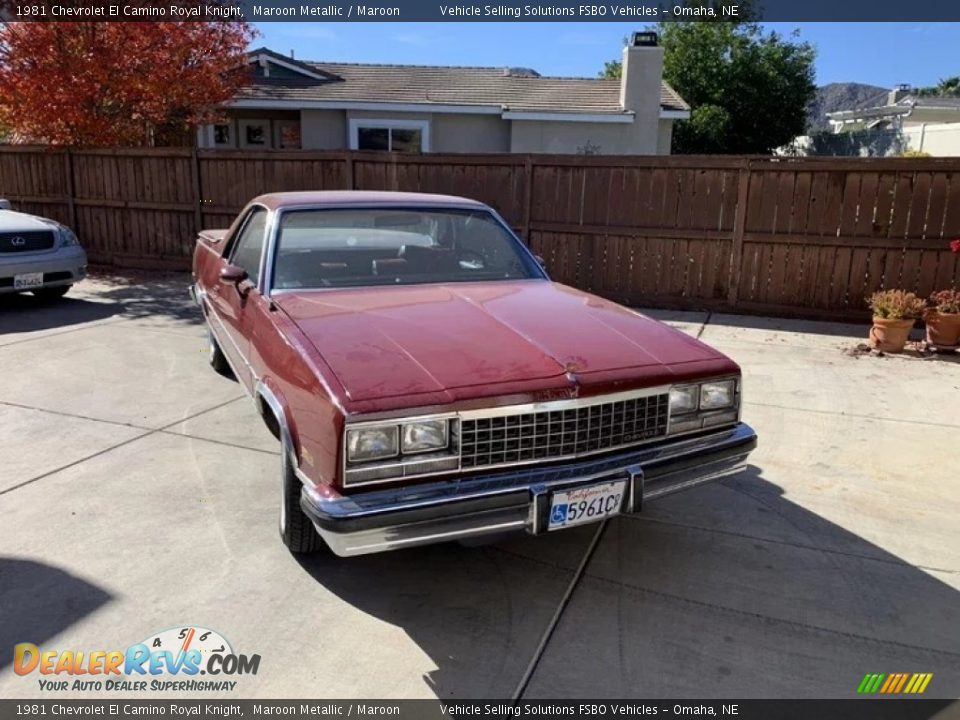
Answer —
(808, 237)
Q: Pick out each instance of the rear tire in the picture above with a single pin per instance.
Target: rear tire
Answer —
(296, 530)
(50, 294)
(218, 360)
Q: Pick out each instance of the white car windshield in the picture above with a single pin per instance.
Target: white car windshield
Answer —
(389, 246)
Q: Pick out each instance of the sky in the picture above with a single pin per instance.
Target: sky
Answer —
(884, 54)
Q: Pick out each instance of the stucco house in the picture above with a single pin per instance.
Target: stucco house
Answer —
(901, 121)
(903, 109)
(293, 104)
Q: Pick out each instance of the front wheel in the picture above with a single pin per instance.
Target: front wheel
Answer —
(217, 359)
(296, 530)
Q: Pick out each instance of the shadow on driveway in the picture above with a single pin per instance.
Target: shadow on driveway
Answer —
(162, 297)
(146, 294)
(25, 313)
(757, 597)
(40, 601)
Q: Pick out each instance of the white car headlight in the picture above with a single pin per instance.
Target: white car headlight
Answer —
(424, 436)
(67, 237)
(373, 443)
(716, 395)
(684, 399)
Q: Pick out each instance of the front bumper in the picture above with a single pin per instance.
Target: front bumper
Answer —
(379, 520)
(64, 266)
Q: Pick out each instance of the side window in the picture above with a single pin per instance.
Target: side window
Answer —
(249, 246)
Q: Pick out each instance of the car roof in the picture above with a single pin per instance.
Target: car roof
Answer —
(363, 197)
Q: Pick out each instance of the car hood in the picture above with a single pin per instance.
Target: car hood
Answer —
(11, 221)
(387, 341)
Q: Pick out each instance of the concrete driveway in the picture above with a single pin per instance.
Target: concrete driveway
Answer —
(138, 492)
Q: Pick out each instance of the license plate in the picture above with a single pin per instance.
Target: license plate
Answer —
(27, 280)
(586, 504)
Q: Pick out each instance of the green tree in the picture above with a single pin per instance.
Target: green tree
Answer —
(948, 87)
(612, 70)
(748, 89)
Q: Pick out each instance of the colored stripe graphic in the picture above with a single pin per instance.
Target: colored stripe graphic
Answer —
(894, 683)
(870, 683)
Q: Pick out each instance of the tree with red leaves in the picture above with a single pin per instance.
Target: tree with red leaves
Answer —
(117, 83)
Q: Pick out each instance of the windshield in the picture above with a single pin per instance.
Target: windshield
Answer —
(377, 246)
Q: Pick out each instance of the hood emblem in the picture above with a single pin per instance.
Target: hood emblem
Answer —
(575, 383)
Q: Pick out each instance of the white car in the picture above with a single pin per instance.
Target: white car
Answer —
(38, 255)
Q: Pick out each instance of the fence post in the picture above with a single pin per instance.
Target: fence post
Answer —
(71, 190)
(739, 224)
(527, 197)
(197, 189)
(349, 180)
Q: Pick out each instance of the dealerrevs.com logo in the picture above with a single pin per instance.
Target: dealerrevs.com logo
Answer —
(180, 659)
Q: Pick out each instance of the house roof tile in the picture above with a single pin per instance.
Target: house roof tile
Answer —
(451, 85)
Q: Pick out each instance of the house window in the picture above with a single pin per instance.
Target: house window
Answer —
(254, 134)
(406, 136)
(288, 135)
(223, 135)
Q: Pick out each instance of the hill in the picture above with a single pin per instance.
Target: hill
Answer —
(841, 96)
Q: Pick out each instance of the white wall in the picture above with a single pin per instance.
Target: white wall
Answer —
(323, 129)
(940, 140)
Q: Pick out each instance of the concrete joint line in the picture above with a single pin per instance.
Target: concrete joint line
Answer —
(555, 620)
(60, 413)
(851, 415)
(705, 323)
(35, 338)
(223, 443)
(118, 445)
(770, 620)
(896, 562)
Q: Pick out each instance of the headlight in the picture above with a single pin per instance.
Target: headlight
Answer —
(683, 399)
(716, 395)
(67, 237)
(424, 436)
(374, 443)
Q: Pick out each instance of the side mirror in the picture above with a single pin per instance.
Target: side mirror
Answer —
(5, 204)
(233, 274)
(540, 261)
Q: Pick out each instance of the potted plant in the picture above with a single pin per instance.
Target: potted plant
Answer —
(894, 313)
(943, 318)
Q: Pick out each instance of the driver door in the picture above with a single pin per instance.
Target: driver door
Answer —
(230, 300)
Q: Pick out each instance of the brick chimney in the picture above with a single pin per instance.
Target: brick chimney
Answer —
(641, 76)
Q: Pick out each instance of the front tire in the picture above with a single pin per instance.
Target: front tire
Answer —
(296, 530)
(217, 359)
(50, 294)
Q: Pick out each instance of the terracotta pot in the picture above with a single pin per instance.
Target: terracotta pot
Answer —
(890, 335)
(943, 329)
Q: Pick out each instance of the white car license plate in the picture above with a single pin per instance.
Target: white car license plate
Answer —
(586, 504)
(27, 280)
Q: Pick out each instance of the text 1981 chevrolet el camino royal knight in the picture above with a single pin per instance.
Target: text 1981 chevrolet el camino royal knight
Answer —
(428, 382)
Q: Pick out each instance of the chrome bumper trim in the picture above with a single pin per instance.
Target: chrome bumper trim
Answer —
(390, 519)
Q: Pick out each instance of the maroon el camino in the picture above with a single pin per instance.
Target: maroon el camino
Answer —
(428, 382)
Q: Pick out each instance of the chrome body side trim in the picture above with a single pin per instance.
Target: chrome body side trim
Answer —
(388, 519)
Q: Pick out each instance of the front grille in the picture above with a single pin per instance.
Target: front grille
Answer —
(562, 433)
(31, 241)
